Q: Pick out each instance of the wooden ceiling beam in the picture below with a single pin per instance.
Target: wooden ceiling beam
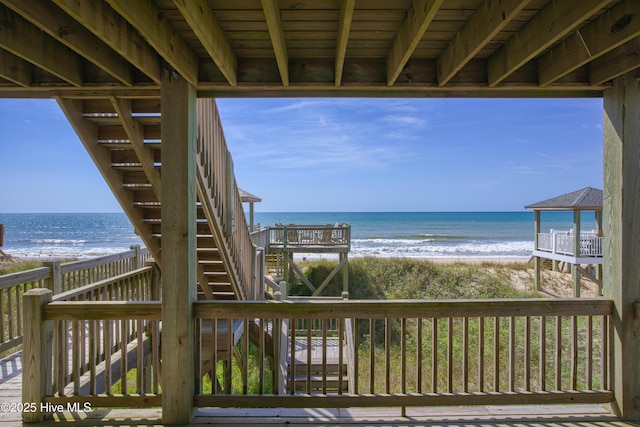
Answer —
(145, 17)
(70, 33)
(550, 24)
(611, 29)
(487, 21)
(202, 21)
(15, 69)
(616, 63)
(344, 26)
(116, 32)
(21, 38)
(419, 17)
(276, 32)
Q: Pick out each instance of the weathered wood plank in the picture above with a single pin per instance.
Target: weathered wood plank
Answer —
(98, 310)
(615, 63)
(621, 234)
(403, 308)
(69, 32)
(549, 25)
(426, 399)
(113, 30)
(487, 21)
(610, 30)
(24, 40)
(419, 17)
(37, 348)
(272, 15)
(16, 70)
(344, 26)
(202, 21)
(179, 275)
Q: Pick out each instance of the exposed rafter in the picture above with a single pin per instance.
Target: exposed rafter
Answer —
(28, 42)
(616, 63)
(88, 134)
(112, 29)
(418, 19)
(156, 29)
(550, 24)
(610, 30)
(482, 26)
(135, 133)
(344, 26)
(69, 32)
(276, 32)
(15, 69)
(202, 21)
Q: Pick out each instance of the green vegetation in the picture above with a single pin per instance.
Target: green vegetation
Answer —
(389, 278)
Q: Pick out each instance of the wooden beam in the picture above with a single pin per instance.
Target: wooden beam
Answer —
(487, 21)
(344, 26)
(15, 69)
(179, 276)
(611, 29)
(113, 30)
(419, 17)
(135, 133)
(29, 43)
(88, 134)
(274, 23)
(145, 17)
(202, 21)
(70, 33)
(619, 61)
(549, 25)
(621, 236)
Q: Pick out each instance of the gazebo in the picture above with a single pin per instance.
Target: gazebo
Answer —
(564, 246)
(247, 197)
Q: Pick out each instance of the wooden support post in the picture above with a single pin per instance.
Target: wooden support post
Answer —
(37, 350)
(136, 257)
(178, 132)
(575, 271)
(345, 276)
(537, 265)
(54, 283)
(621, 236)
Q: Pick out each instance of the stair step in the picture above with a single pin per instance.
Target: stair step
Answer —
(333, 368)
(332, 383)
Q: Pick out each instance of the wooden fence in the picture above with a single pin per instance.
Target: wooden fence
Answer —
(425, 353)
(97, 345)
(59, 277)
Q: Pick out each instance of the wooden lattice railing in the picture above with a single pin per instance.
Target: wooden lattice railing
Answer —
(218, 193)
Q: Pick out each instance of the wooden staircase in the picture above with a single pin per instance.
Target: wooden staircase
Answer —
(123, 138)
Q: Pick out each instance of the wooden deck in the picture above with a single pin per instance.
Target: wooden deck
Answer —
(480, 416)
(472, 416)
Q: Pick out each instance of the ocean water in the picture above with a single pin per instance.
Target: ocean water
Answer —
(398, 234)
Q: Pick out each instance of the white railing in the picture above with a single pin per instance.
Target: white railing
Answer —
(562, 242)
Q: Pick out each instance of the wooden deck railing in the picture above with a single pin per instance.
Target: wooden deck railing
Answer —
(97, 345)
(283, 236)
(218, 193)
(427, 353)
(591, 245)
(59, 277)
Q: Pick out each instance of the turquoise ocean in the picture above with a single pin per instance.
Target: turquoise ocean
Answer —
(378, 234)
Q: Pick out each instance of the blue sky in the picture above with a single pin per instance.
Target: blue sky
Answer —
(316, 155)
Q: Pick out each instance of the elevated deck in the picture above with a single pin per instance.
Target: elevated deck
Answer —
(560, 245)
(309, 238)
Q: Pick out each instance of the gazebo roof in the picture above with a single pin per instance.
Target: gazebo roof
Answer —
(247, 197)
(587, 199)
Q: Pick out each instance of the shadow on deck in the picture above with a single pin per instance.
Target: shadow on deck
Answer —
(471, 416)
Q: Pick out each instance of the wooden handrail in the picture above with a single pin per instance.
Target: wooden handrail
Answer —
(328, 309)
(221, 203)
